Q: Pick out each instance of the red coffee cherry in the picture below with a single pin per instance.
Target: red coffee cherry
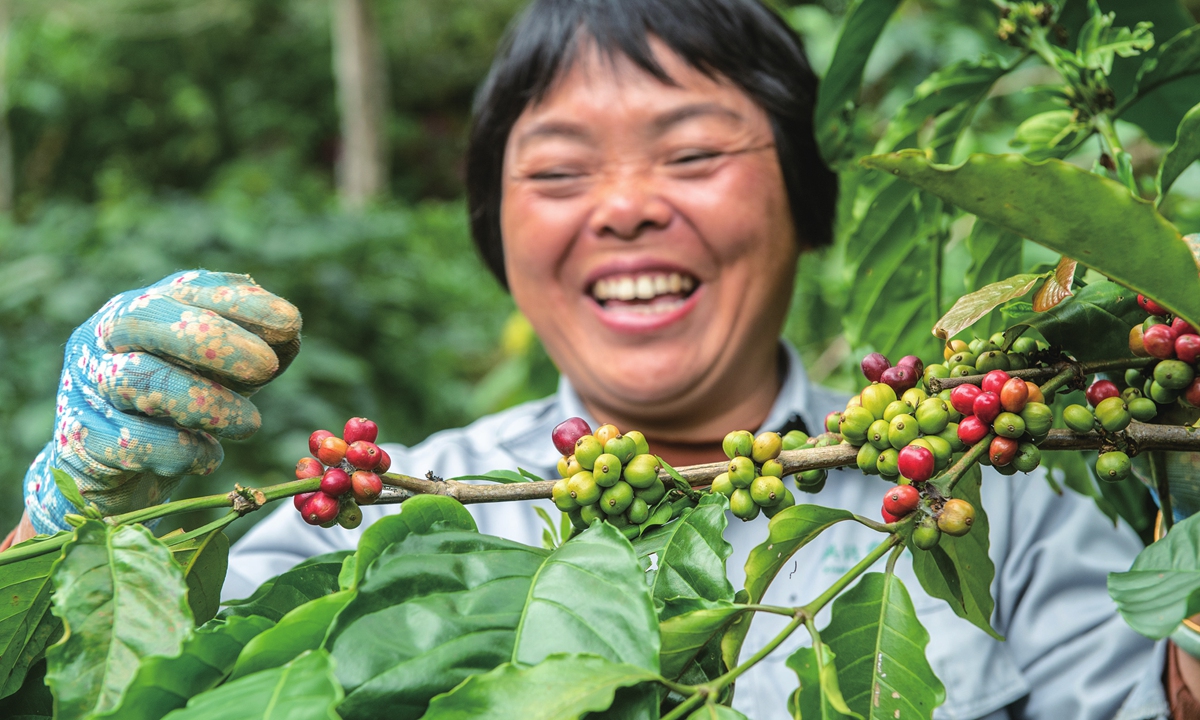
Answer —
(993, 381)
(1150, 306)
(385, 462)
(1159, 341)
(873, 366)
(363, 455)
(308, 468)
(335, 482)
(1181, 327)
(332, 450)
(1192, 393)
(900, 378)
(901, 500)
(1002, 450)
(916, 463)
(987, 407)
(963, 398)
(365, 487)
(1187, 348)
(360, 429)
(887, 516)
(567, 433)
(300, 499)
(1014, 395)
(914, 363)
(320, 509)
(315, 440)
(971, 430)
(1101, 390)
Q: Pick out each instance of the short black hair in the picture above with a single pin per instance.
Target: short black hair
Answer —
(740, 40)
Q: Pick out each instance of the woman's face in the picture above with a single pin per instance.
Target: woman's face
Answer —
(648, 238)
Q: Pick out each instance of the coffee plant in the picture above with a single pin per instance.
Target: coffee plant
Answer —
(627, 611)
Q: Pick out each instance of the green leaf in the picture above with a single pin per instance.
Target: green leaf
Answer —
(417, 515)
(809, 700)
(973, 306)
(712, 711)
(435, 609)
(1099, 41)
(204, 561)
(838, 92)
(880, 651)
(959, 570)
(787, 532)
(279, 595)
(691, 554)
(1177, 58)
(304, 689)
(1046, 134)
(1090, 323)
(121, 599)
(1183, 153)
(686, 634)
(1163, 585)
(163, 684)
(1077, 213)
(304, 628)
(558, 688)
(962, 84)
(69, 489)
(995, 255)
(26, 628)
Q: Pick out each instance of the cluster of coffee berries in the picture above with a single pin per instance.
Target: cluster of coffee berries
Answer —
(1012, 409)
(1110, 410)
(981, 355)
(1176, 346)
(953, 516)
(753, 481)
(349, 468)
(810, 481)
(605, 475)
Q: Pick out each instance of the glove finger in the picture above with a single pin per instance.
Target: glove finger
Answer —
(237, 298)
(286, 353)
(152, 386)
(195, 338)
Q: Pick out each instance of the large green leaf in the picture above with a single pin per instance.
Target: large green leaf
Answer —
(121, 599)
(1183, 153)
(973, 306)
(204, 561)
(995, 255)
(712, 711)
(685, 635)
(1080, 214)
(163, 684)
(880, 651)
(1091, 322)
(838, 92)
(304, 689)
(959, 570)
(420, 514)
(433, 610)
(281, 594)
(809, 700)
(25, 624)
(787, 532)
(690, 555)
(560, 687)
(1176, 58)
(1163, 585)
(304, 628)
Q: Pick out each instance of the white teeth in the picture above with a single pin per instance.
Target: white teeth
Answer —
(662, 286)
(675, 282)
(626, 289)
(643, 287)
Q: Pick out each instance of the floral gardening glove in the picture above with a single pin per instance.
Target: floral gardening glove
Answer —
(151, 382)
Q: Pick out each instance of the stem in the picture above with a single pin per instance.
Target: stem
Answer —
(936, 385)
(876, 526)
(213, 526)
(32, 550)
(773, 609)
(683, 708)
(798, 619)
(851, 575)
(1158, 471)
(233, 499)
(1104, 125)
(945, 484)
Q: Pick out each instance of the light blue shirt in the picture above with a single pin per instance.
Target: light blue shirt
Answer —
(1068, 654)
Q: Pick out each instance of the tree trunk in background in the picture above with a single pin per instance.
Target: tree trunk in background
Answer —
(360, 74)
(7, 189)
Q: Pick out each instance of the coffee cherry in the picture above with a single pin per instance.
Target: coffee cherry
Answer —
(349, 516)
(767, 490)
(962, 358)
(563, 465)
(741, 472)
(641, 446)
(365, 487)
(320, 509)
(994, 381)
(638, 511)
(587, 449)
(812, 481)
(787, 501)
(1028, 457)
(1150, 306)
(1192, 394)
(1187, 348)
(900, 377)
(901, 500)
(1009, 425)
(1100, 390)
(721, 484)
(573, 467)
(591, 513)
(308, 467)
(1113, 466)
(887, 516)
(385, 462)
(1079, 418)
(606, 471)
(854, 424)
(941, 449)
(914, 363)
(902, 430)
(642, 471)
(335, 482)
(742, 505)
(1002, 451)
(1017, 361)
(888, 463)
(950, 435)
(606, 432)
(876, 397)
(1130, 393)
(315, 440)
(1143, 409)
(739, 443)
(1038, 418)
(301, 498)
(332, 450)
(360, 428)
(1013, 395)
(1137, 343)
(916, 463)
(962, 371)
(987, 407)
(794, 439)
(992, 360)
(926, 534)
(1182, 327)
(953, 347)
(913, 397)
(834, 419)
(897, 408)
(1113, 414)
(971, 430)
(583, 488)
(560, 493)
(654, 493)
(1034, 393)
(567, 433)
(956, 517)
(616, 499)
(363, 455)
(766, 447)
(963, 398)
(1159, 341)
(622, 447)
(868, 456)
(932, 416)
(877, 434)
(1173, 374)
(936, 371)
(873, 366)
(1162, 395)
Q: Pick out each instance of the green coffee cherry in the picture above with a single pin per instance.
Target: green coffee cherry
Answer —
(721, 484)
(772, 468)
(811, 481)
(606, 471)
(897, 408)
(742, 504)
(941, 449)
(638, 511)
(1009, 425)
(950, 435)
(944, 396)
(963, 371)
(618, 521)
(991, 360)
(868, 455)
(652, 494)
(956, 518)
(622, 446)
(1174, 374)
(1162, 395)
(877, 434)
(561, 495)
(876, 397)
(616, 499)
(997, 339)
(767, 490)
(590, 514)
(738, 443)
(1079, 418)
(932, 416)
(855, 422)
(1028, 457)
(639, 442)
(641, 471)
(902, 430)
(786, 501)
(583, 488)
(741, 472)
(962, 358)
(935, 371)
(1038, 418)
(1017, 361)
(1143, 409)
(564, 465)
(794, 439)
(888, 463)
(914, 396)
(1131, 393)
(1135, 378)
(766, 447)
(926, 534)
(576, 517)
(1113, 466)
(1113, 414)
(587, 449)
(1024, 345)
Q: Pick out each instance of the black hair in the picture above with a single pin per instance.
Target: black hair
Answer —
(742, 41)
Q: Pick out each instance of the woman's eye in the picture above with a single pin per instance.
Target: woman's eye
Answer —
(694, 157)
(553, 175)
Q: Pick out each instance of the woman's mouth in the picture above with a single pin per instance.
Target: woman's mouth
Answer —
(647, 293)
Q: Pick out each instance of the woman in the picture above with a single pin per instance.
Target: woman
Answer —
(643, 178)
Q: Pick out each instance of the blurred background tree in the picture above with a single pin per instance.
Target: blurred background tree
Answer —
(317, 145)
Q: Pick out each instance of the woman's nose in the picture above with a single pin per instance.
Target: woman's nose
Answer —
(628, 205)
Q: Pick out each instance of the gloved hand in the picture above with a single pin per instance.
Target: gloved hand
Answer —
(149, 384)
